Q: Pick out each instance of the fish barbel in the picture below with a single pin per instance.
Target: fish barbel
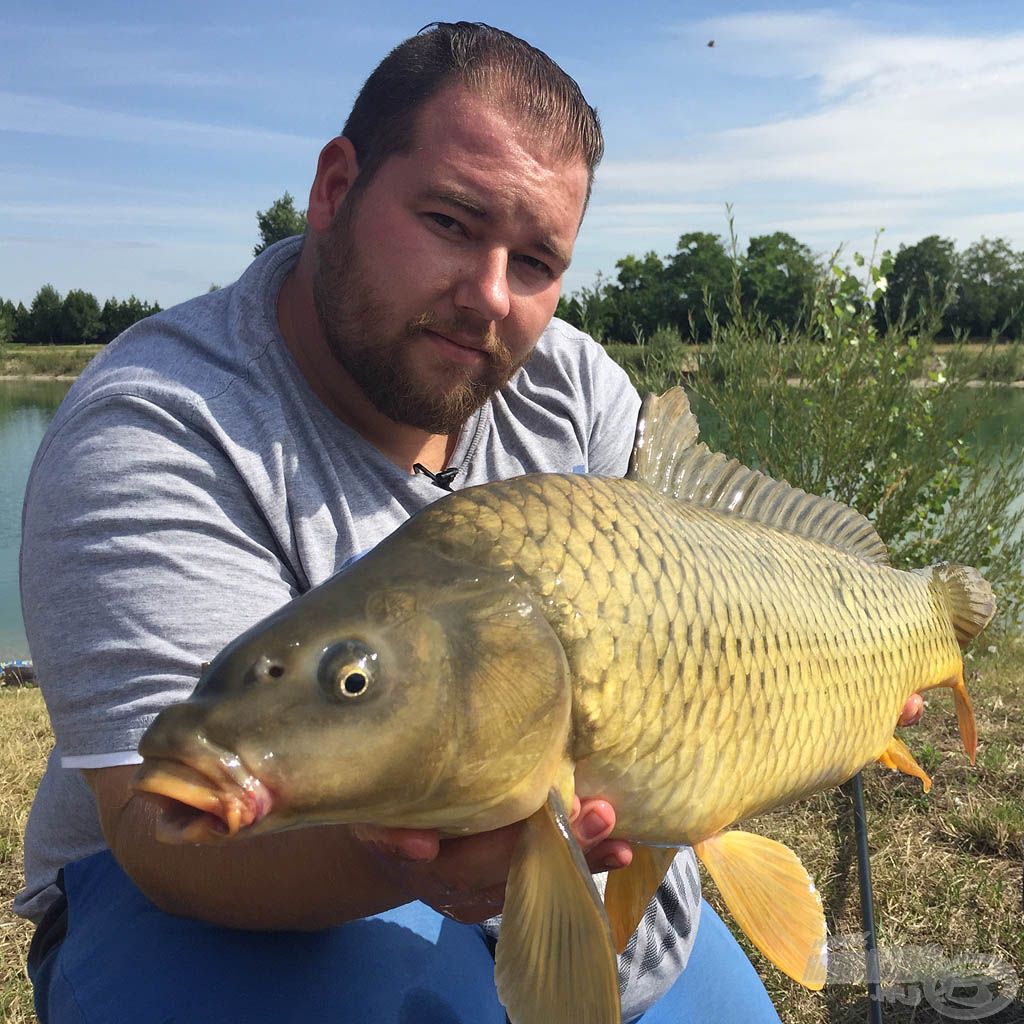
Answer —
(695, 643)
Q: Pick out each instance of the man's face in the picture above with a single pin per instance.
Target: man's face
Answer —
(436, 279)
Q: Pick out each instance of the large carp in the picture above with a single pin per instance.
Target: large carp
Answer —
(696, 643)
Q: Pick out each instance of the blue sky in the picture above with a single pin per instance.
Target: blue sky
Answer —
(138, 141)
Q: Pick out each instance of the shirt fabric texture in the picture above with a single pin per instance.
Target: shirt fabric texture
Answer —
(192, 482)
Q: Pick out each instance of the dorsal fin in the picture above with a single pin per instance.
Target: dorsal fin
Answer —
(666, 456)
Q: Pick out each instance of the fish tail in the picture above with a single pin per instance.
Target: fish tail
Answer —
(967, 596)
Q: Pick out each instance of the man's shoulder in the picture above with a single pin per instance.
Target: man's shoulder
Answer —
(566, 357)
(563, 343)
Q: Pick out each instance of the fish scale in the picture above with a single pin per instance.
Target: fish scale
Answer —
(642, 577)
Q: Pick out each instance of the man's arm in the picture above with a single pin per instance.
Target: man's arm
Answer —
(311, 878)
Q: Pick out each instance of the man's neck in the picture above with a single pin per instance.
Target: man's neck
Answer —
(402, 444)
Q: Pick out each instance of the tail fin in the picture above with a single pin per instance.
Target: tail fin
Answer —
(968, 598)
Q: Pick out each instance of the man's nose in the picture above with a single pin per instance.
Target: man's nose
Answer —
(483, 286)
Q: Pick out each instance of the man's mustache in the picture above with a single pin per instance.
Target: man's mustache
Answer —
(483, 334)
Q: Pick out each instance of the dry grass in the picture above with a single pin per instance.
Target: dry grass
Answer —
(946, 867)
(25, 742)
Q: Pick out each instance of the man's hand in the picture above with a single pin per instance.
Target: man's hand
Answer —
(912, 711)
(464, 877)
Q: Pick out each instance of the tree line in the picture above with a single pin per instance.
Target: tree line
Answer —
(976, 293)
(74, 319)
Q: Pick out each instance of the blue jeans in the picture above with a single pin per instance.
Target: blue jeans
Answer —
(123, 960)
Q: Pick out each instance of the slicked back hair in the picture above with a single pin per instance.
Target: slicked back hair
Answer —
(518, 77)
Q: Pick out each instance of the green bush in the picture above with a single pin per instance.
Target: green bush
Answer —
(837, 407)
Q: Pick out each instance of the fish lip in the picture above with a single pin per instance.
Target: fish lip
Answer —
(206, 798)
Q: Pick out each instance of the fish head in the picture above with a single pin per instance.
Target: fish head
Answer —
(413, 698)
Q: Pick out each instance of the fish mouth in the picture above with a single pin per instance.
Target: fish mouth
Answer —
(202, 806)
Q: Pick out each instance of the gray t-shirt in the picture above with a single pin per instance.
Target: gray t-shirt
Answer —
(192, 482)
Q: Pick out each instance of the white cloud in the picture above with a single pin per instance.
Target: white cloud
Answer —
(40, 115)
(897, 114)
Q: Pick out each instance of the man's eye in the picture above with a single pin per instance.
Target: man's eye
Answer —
(535, 265)
(446, 223)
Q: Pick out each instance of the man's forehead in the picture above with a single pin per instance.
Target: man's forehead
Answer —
(471, 118)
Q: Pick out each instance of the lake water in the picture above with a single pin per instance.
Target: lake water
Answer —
(26, 408)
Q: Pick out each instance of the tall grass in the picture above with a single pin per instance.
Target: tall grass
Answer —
(45, 360)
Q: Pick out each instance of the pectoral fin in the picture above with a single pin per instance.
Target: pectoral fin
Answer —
(899, 758)
(773, 899)
(631, 889)
(555, 960)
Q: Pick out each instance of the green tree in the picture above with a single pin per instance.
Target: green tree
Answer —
(43, 324)
(279, 220)
(21, 323)
(922, 283)
(641, 298)
(700, 277)
(8, 315)
(778, 276)
(80, 318)
(118, 316)
(990, 289)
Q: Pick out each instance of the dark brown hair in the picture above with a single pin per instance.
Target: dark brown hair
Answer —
(489, 61)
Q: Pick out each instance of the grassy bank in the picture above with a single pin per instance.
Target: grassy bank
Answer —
(45, 360)
(946, 866)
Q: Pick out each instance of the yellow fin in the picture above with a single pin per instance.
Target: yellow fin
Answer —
(630, 890)
(965, 716)
(773, 899)
(554, 960)
(897, 757)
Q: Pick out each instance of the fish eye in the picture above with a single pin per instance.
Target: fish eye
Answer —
(347, 670)
(355, 683)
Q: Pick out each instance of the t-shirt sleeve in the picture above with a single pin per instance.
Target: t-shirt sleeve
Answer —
(143, 553)
(614, 406)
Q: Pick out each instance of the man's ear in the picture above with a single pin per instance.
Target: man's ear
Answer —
(336, 170)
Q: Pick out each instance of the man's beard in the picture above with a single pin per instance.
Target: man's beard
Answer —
(353, 317)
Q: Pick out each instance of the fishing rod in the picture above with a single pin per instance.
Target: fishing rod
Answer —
(867, 908)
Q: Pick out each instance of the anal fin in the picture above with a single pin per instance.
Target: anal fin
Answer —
(773, 899)
(554, 960)
(630, 890)
(965, 716)
(899, 758)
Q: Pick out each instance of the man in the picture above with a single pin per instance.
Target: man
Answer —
(229, 454)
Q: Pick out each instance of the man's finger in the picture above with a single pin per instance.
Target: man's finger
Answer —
(913, 710)
(593, 823)
(610, 855)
